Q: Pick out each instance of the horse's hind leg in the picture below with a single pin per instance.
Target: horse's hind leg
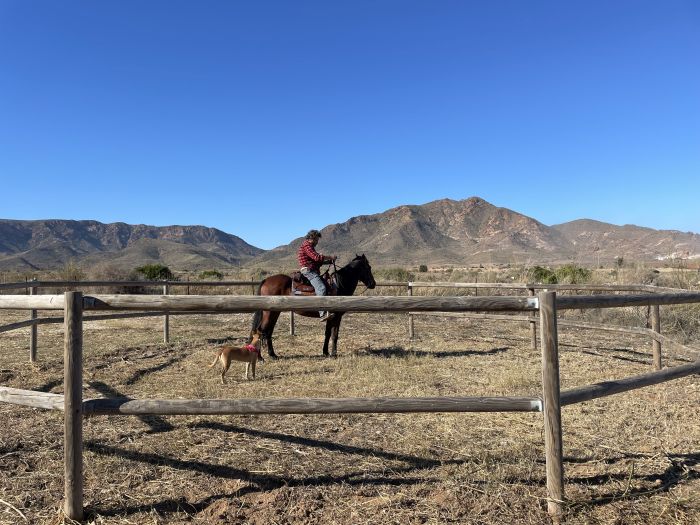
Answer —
(267, 326)
(331, 336)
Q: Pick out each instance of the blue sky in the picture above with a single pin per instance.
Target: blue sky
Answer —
(268, 118)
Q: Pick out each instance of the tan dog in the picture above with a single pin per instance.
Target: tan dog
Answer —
(249, 354)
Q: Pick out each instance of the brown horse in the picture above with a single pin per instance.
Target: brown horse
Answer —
(346, 279)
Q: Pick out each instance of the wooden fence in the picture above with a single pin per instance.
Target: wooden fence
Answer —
(34, 286)
(546, 304)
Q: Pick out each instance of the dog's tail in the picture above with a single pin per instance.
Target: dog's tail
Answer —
(218, 355)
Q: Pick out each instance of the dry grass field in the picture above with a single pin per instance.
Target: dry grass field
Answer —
(631, 458)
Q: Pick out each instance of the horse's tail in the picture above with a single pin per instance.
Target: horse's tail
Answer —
(255, 324)
(257, 320)
(257, 317)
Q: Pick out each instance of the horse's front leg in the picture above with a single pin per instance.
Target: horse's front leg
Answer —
(327, 337)
(335, 329)
(267, 327)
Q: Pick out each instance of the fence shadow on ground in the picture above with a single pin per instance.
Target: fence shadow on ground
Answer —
(400, 352)
(323, 444)
(157, 424)
(259, 482)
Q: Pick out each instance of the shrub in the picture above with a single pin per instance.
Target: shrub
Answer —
(155, 272)
(258, 274)
(111, 272)
(542, 275)
(211, 274)
(394, 274)
(70, 272)
(572, 274)
(423, 268)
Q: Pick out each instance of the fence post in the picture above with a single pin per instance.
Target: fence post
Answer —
(656, 327)
(33, 334)
(166, 319)
(551, 404)
(291, 323)
(73, 405)
(533, 322)
(410, 316)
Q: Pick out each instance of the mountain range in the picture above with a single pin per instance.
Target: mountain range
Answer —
(439, 233)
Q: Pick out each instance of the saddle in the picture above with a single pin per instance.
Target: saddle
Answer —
(302, 286)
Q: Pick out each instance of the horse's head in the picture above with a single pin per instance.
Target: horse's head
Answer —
(361, 264)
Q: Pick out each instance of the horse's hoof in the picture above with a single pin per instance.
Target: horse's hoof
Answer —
(273, 356)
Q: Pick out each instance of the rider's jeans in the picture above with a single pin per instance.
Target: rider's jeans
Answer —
(318, 284)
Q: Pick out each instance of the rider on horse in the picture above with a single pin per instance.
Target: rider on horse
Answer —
(310, 262)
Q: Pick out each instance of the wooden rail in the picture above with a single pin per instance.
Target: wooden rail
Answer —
(470, 315)
(310, 405)
(377, 303)
(607, 388)
(228, 303)
(31, 398)
(569, 302)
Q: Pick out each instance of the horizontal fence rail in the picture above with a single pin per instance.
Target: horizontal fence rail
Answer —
(568, 302)
(31, 398)
(377, 303)
(310, 405)
(459, 315)
(128, 406)
(607, 388)
(229, 303)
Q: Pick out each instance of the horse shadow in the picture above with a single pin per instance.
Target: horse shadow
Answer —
(400, 352)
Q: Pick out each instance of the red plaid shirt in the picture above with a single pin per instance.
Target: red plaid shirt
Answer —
(309, 257)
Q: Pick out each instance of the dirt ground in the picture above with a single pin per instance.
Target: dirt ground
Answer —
(631, 458)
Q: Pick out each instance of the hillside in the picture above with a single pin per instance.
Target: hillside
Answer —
(594, 240)
(443, 232)
(44, 244)
(440, 233)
